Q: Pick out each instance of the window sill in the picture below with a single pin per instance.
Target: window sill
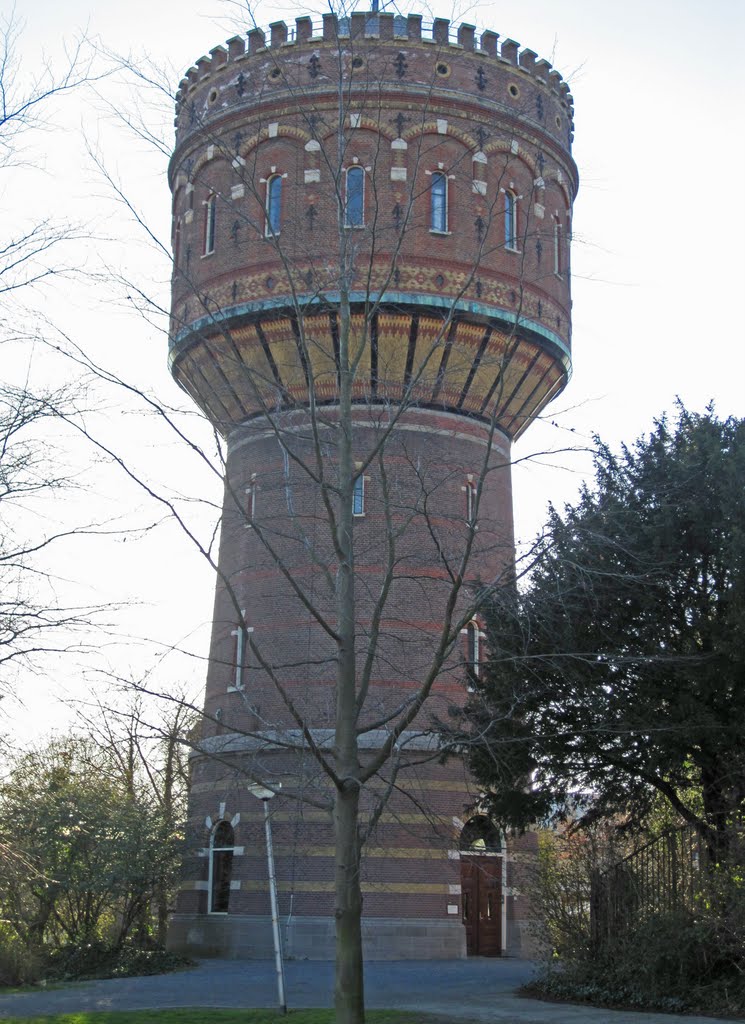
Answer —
(206, 254)
(436, 231)
(511, 248)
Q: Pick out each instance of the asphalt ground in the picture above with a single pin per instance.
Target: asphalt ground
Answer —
(476, 989)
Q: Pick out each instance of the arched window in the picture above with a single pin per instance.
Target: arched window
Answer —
(558, 243)
(438, 202)
(251, 491)
(273, 223)
(358, 497)
(510, 220)
(240, 650)
(354, 199)
(480, 835)
(222, 843)
(470, 490)
(473, 648)
(210, 224)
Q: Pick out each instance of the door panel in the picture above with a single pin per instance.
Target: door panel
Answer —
(481, 888)
(470, 897)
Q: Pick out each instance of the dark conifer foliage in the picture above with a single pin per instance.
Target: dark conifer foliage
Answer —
(618, 672)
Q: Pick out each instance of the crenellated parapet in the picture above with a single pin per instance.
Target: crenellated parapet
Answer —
(400, 52)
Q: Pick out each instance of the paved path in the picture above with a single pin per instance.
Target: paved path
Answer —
(474, 989)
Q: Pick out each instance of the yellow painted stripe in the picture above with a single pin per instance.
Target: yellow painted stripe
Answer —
(423, 888)
(323, 817)
(397, 853)
(410, 785)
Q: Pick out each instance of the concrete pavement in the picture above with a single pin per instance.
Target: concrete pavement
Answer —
(475, 989)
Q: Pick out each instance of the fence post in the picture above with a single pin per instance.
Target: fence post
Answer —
(596, 913)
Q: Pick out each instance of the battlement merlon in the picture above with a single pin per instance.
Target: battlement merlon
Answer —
(384, 28)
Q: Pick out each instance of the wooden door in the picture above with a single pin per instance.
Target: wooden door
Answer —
(481, 895)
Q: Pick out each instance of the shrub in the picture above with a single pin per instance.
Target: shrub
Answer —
(19, 965)
(101, 960)
(648, 955)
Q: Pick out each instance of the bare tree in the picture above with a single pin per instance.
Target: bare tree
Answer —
(32, 619)
(146, 752)
(28, 255)
(34, 466)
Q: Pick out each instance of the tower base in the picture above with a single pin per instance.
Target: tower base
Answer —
(240, 937)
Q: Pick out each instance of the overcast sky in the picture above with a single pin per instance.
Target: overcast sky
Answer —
(658, 255)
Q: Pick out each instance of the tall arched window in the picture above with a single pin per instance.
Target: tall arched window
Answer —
(510, 220)
(210, 224)
(354, 199)
(473, 648)
(471, 492)
(222, 843)
(358, 497)
(438, 202)
(273, 222)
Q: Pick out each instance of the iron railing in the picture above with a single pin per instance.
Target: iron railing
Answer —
(662, 876)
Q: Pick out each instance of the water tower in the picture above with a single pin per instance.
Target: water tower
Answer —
(404, 190)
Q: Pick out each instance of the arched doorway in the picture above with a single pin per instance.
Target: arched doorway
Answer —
(481, 859)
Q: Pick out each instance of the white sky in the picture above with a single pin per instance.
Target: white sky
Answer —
(658, 263)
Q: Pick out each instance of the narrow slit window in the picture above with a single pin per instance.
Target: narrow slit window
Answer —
(358, 497)
(251, 501)
(558, 262)
(470, 489)
(510, 220)
(273, 205)
(438, 202)
(222, 848)
(240, 644)
(210, 224)
(354, 206)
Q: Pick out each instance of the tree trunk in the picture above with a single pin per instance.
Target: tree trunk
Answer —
(349, 999)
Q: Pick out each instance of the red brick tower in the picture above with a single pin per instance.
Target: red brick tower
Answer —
(406, 194)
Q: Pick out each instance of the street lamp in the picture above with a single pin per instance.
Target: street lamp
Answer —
(265, 795)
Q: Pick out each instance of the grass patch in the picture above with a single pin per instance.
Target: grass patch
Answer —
(198, 1016)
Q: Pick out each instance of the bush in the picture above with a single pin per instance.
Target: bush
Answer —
(19, 965)
(97, 959)
(690, 957)
(674, 962)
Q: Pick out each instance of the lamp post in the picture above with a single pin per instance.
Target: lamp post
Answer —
(265, 795)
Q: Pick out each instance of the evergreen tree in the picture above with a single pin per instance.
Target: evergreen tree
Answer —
(618, 672)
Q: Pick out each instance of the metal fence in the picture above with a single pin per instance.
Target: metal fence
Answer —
(662, 876)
